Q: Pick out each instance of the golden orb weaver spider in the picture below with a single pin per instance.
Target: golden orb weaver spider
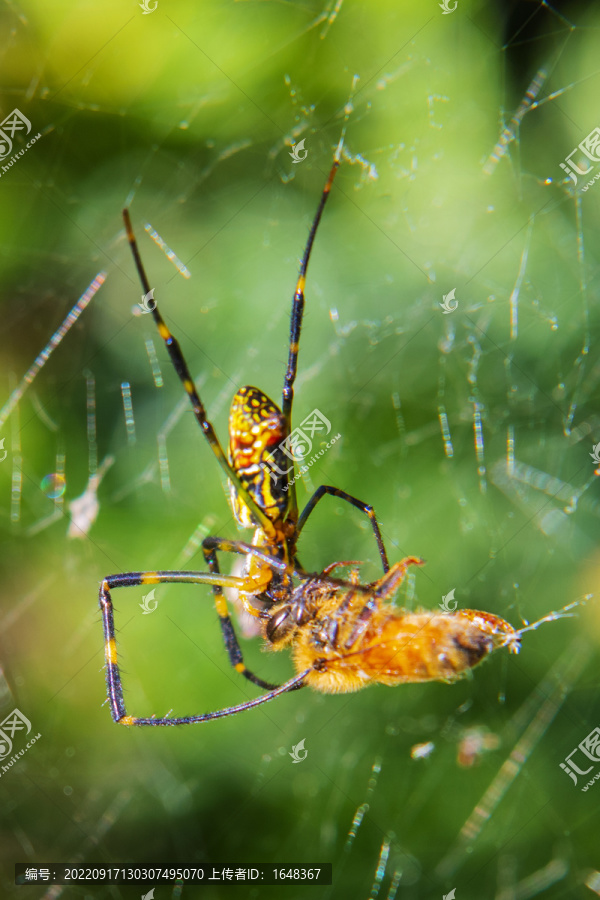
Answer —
(344, 634)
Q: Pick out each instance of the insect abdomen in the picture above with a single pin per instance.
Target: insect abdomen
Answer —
(402, 648)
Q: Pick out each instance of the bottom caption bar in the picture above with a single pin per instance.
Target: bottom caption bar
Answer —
(265, 873)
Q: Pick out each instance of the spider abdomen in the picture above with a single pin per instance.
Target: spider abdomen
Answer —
(257, 432)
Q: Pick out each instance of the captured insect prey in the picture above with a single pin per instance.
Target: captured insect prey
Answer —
(343, 634)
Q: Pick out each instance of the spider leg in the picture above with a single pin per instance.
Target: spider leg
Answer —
(181, 367)
(245, 549)
(296, 317)
(326, 489)
(210, 546)
(113, 676)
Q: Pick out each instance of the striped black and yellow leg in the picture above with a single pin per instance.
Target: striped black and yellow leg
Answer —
(210, 546)
(298, 311)
(113, 675)
(328, 490)
(181, 367)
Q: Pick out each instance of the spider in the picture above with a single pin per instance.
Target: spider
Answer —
(344, 634)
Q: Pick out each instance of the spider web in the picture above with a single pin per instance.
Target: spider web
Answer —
(469, 428)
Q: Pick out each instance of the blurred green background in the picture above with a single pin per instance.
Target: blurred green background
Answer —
(187, 115)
